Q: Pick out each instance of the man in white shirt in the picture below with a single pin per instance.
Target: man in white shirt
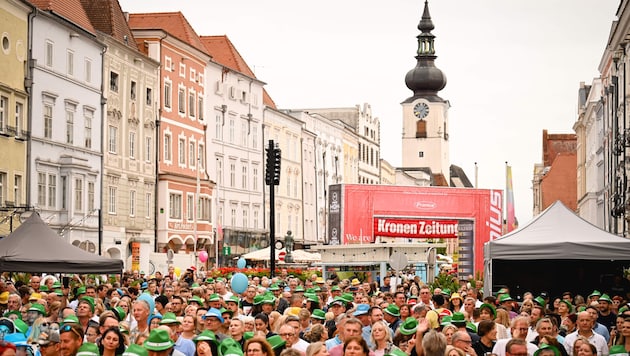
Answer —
(585, 329)
(518, 328)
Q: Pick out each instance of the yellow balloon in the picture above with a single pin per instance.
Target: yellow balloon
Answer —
(178, 271)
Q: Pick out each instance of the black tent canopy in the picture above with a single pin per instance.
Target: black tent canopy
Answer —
(36, 248)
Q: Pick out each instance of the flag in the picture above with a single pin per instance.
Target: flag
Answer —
(219, 232)
(509, 193)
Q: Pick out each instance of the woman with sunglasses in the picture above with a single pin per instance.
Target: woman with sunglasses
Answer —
(112, 343)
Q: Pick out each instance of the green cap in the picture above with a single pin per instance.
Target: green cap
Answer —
(493, 310)
(169, 318)
(605, 298)
(135, 350)
(159, 340)
(70, 319)
(258, 299)
(214, 297)
(88, 349)
(409, 326)
(542, 347)
(318, 314)
(392, 310)
(20, 326)
(38, 308)
(195, 299)
(206, 335)
(275, 341)
(90, 302)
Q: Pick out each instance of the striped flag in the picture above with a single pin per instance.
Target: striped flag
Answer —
(509, 193)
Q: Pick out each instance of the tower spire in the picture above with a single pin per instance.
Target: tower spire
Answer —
(425, 80)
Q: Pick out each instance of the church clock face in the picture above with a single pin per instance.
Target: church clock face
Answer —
(421, 110)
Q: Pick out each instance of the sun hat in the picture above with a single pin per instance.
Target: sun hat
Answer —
(195, 299)
(20, 326)
(232, 299)
(206, 335)
(320, 280)
(605, 298)
(362, 309)
(355, 282)
(409, 326)
(81, 290)
(258, 299)
(228, 346)
(347, 297)
(493, 310)
(505, 298)
(446, 320)
(4, 297)
(214, 313)
(318, 314)
(169, 318)
(214, 297)
(542, 347)
(268, 299)
(456, 295)
(158, 340)
(135, 350)
(88, 349)
(311, 297)
(34, 296)
(595, 293)
(70, 319)
(38, 308)
(226, 311)
(392, 310)
(276, 341)
(335, 288)
(293, 311)
(540, 301)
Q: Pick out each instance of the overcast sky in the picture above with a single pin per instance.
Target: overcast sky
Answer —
(513, 67)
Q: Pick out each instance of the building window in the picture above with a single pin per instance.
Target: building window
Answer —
(181, 100)
(191, 154)
(49, 54)
(148, 204)
(233, 217)
(113, 82)
(420, 154)
(41, 188)
(255, 218)
(202, 157)
(204, 210)
(4, 108)
(175, 206)
(288, 185)
(19, 113)
(244, 177)
(232, 123)
(149, 96)
(244, 133)
(167, 94)
(3, 187)
(254, 136)
(64, 192)
(200, 111)
(88, 127)
(167, 148)
(245, 218)
(132, 203)
(112, 144)
(190, 209)
(48, 110)
(52, 191)
(182, 70)
(232, 174)
(112, 199)
(91, 196)
(191, 104)
(78, 194)
(88, 70)
(182, 152)
(132, 145)
(17, 189)
(148, 148)
(219, 127)
(255, 179)
(219, 171)
(70, 110)
(132, 90)
(70, 63)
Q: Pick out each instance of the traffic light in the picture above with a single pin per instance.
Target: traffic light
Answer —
(269, 170)
(276, 166)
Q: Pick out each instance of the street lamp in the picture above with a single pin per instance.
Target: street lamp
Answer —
(288, 245)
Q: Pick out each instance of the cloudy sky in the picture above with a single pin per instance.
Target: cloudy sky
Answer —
(513, 67)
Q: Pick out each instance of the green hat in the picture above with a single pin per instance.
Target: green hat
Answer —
(80, 290)
(335, 288)
(70, 319)
(194, 285)
(43, 288)
(542, 347)
(210, 280)
(318, 314)
(623, 309)
(120, 313)
(59, 292)
(392, 310)
(309, 290)
(276, 341)
(206, 335)
(135, 350)
(396, 352)
(568, 304)
(229, 346)
(458, 319)
(233, 299)
(605, 298)
(617, 350)
(299, 288)
(347, 297)
(19, 315)
(581, 309)
(273, 287)
(502, 291)
(470, 326)
(224, 311)
(505, 298)
(493, 310)
(446, 320)
(214, 297)
(159, 340)
(317, 289)
(169, 318)
(540, 301)
(595, 293)
(20, 326)
(311, 297)
(269, 299)
(258, 299)
(38, 308)
(90, 302)
(409, 326)
(195, 299)
(446, 292)
(56, 285)
(88, 349)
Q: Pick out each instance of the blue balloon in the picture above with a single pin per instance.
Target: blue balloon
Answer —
(240, 263)
(239, 283)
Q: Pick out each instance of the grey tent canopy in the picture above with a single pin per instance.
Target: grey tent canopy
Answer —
(35, 248)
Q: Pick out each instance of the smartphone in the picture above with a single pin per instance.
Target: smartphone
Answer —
(66, 282)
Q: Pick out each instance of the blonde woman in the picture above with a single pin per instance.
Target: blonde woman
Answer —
(382, 339)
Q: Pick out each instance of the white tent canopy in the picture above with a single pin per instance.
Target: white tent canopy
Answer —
(556, 234)
(298, 255)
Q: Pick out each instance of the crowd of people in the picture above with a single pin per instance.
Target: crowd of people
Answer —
(166, 314)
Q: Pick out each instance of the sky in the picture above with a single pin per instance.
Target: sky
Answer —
(513, 67)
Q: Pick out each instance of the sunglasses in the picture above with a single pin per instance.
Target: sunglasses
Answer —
(68, 328)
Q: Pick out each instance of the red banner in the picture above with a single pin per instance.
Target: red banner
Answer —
(415, 228)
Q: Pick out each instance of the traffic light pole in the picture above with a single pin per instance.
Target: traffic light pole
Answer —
(272, 178)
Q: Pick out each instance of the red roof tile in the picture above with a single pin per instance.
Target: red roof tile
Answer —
(174, 23)
(70, 10)
(225, 53)
(107, 17)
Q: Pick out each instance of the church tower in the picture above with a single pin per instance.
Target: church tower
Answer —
(425, 114)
